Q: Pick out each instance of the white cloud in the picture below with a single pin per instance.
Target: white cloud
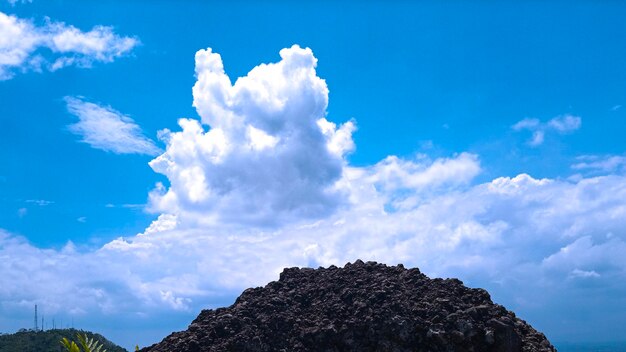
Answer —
(537, 139)
(584, 273)
(514, 236)
(18, 40)
(561, 124)
(107, 129)
(125, 206)
(40, 202)
(527, 123)
(270, 155)
(25, 46)
(599, 256)
(394, 173)
(13, 2)
(602, 164)
(565, 123)
(82, 49)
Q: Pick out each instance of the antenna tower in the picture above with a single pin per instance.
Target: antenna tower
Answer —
(36, 327)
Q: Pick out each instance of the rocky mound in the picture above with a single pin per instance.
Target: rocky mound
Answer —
(361, 307)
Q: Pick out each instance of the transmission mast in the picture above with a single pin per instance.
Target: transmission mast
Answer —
(36, 327)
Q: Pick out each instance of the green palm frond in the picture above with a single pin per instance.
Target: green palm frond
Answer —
(70, 346)
(88, 344)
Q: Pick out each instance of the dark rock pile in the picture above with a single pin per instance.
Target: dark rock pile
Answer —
(361, 307)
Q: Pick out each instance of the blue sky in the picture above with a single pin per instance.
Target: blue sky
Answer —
(481, 141)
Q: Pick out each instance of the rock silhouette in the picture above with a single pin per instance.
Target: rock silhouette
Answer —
(360, 307)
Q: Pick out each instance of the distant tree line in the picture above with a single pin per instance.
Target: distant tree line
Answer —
(48, 341)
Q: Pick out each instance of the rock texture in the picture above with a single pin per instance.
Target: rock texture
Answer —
(360, 307)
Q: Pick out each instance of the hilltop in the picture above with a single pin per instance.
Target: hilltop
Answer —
(48, 340)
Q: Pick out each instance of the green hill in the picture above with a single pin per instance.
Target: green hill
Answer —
(48, 341)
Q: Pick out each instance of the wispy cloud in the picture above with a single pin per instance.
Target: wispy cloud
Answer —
(40, 202)
(13, 2)
(125, 206)
(561, 124)
(23, 44)
(577, 273)
(600, 163)
(107, 129)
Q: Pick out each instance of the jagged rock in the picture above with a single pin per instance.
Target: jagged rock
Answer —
(360, 307)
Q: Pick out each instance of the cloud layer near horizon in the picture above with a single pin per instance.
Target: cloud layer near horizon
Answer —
(24, 46)
(517, 236)
(264, 147)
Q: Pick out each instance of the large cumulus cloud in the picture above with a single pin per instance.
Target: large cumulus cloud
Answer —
(263, 152)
